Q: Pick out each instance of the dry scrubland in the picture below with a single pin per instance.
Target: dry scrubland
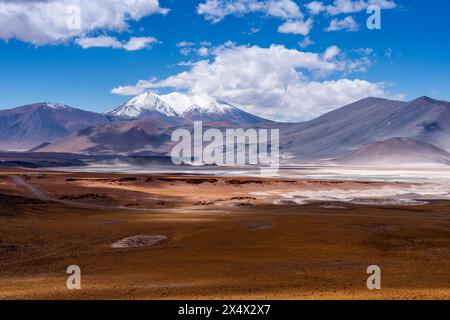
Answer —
(164, 237)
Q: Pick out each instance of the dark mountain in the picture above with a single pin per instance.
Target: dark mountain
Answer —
(25, 127)
(396, 151)
(367, 121)
(125, 138)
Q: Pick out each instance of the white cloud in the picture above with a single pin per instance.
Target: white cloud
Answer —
(185, 63)
(306, 42)
(296, 27)
(138, 88)
(347, 6)
(183, 44)
(203, 51)
(346, 24)
(138, 43)
(287, 10)
(188, 48)
(284, 9)
(271, 81)
(43, 22)
(216, 10)
(363, 51)
(315, 98)
(185, 51)
(315, 7)
(331, 53)
(133, 44)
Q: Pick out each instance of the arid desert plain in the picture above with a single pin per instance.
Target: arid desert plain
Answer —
(165, 236)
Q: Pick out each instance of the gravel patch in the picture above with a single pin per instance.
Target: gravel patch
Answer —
(140, 241)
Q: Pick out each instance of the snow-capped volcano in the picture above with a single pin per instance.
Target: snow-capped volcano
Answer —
(142, 104)
(178, 107)
(203, 103)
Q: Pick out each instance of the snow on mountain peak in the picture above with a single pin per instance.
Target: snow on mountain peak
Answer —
(200, 102)
(173, 105)
(207, 109)
(178, 101)
(146, 102)
(52, 105)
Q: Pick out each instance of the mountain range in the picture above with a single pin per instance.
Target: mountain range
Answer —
(372, 128)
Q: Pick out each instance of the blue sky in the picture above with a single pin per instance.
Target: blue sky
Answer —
(407, 58)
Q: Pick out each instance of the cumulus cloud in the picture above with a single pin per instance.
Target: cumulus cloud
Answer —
(296, 27)
(288, 10)
(331, 53)
(347, 6)
(43, 22)
(133, 44)
(284, 9)
(315, 7)
(271, 81)
(216, 10)
(346, 24)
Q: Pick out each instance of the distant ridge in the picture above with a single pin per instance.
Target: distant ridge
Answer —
(128, 137)
(396, 151)
(25, 127)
